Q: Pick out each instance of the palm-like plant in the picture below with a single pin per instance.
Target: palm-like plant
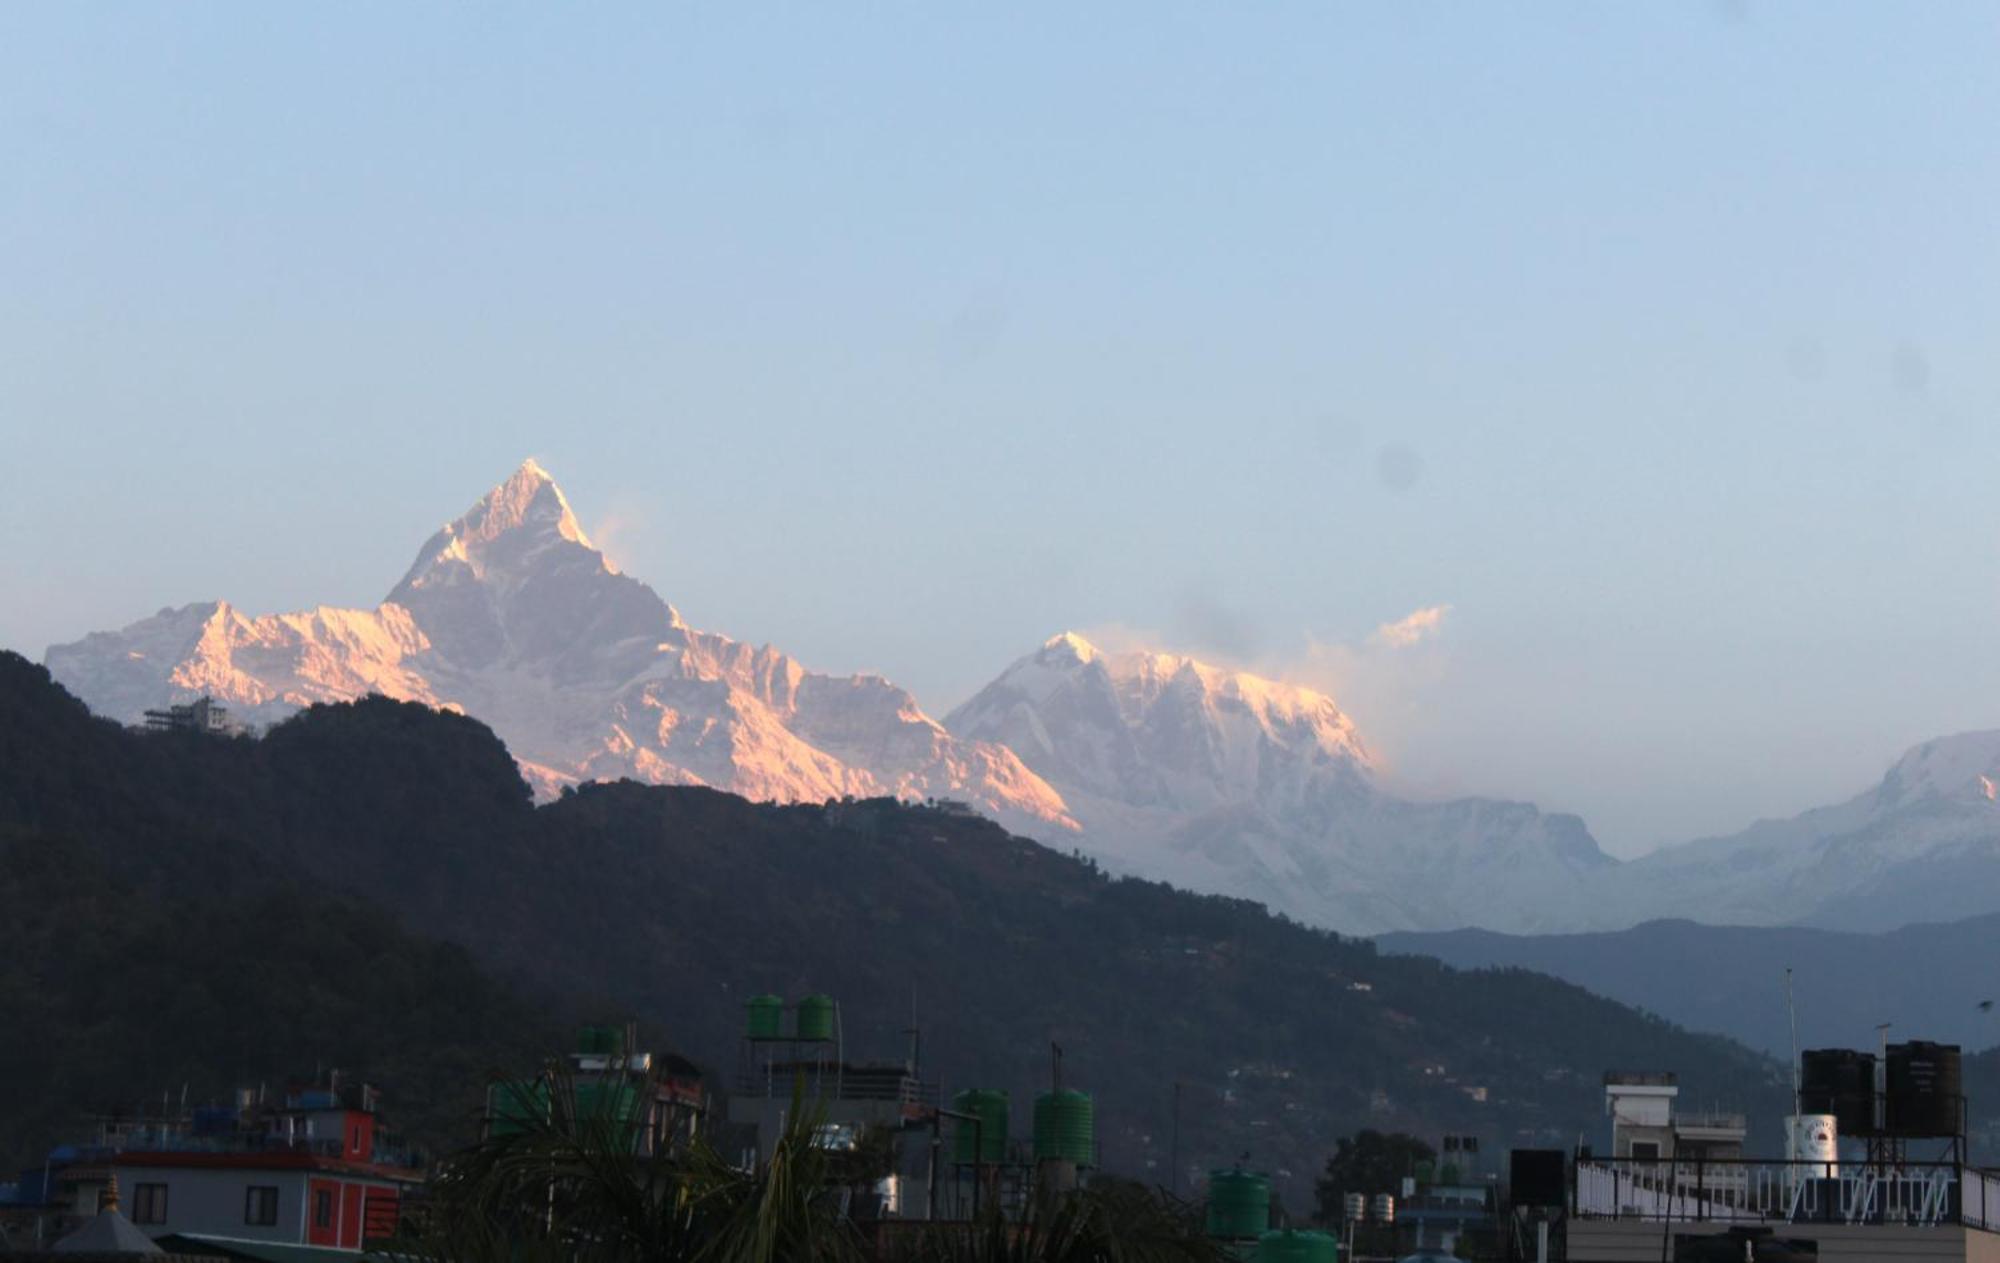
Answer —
(576, 1177)
(570, 1177)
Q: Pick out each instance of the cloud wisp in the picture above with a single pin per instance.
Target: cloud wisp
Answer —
(1415, 626)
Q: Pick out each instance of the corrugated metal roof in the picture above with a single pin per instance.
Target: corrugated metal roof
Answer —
(262, 1251)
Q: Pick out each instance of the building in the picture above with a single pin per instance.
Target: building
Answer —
(1645, 1125)
(203, 715)
(1680, 1186)
(1453, 1197)
(312, 1166)
(278, 1197)
(660, 1100)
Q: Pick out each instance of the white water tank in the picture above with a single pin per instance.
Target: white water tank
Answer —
(1813, 1138)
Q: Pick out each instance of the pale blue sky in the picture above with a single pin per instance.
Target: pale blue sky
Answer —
(1656, 340)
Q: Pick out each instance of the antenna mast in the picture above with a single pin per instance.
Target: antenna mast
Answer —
(1792, 1012)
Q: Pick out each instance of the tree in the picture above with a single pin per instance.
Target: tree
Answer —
(1368, 1162)
(572, 1185)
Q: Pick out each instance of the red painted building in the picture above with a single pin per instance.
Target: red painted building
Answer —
(310, 1166)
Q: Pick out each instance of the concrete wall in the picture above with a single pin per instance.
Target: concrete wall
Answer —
(1631, 1241)
(211, 1201)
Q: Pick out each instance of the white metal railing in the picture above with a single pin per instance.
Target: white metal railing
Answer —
(1762, 1192)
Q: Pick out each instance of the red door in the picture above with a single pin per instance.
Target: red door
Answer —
(350, 1216)
(322, 1212)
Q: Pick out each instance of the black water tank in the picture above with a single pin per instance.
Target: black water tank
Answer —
(1538, 1177)
(1840, 1082)
(1924, 1089)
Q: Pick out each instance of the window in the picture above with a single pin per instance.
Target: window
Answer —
(260, 1205)
(322, 1208)
(1648, 1150)
(149, 1204)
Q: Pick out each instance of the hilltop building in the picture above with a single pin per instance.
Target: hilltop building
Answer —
(204, 715)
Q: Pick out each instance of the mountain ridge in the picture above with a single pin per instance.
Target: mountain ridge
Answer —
(1223, 780)
(675, 904)
(1156, 763)
(509, 611)
(1732, 979)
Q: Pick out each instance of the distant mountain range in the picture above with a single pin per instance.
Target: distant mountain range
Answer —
(1220, 780)
(1929, 981)
(510, 614)
(1922, 845)
(1154, 763)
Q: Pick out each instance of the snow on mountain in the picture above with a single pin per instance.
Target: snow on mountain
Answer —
(510, 614)
(1157, 764)
(1224, 781)
(1922, 845)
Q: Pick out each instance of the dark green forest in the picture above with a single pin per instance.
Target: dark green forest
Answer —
(370, 886)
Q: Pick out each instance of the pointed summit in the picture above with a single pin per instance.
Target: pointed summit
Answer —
(516, 577)
(529, 499)
(1069, 644)
(510, 526)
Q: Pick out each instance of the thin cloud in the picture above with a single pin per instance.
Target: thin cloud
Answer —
(1411, 628)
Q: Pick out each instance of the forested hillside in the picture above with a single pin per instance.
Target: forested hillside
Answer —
(676, 904)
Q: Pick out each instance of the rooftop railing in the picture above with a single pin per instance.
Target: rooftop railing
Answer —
(1910, 1193)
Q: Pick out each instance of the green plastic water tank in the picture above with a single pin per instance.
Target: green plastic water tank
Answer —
(767, 1017)
(1239, 1203)
(1065, 1129)
(516, 1106)
(1290, 1246)
(816, 1018)
(612, 1102)
(989, 1106)
(1448, 1174)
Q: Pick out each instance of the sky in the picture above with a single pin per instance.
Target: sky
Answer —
(1598, 399)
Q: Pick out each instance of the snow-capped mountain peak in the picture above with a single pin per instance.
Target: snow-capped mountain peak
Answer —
(1070, 644)
(1963, 767)
(510, 614)
(1225, 780)
(1142, 723)
(508, 529)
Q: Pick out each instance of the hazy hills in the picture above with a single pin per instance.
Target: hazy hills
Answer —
(674, 904)
(1928, 980)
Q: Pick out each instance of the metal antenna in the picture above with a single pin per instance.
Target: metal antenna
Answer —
(1791, 1010)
